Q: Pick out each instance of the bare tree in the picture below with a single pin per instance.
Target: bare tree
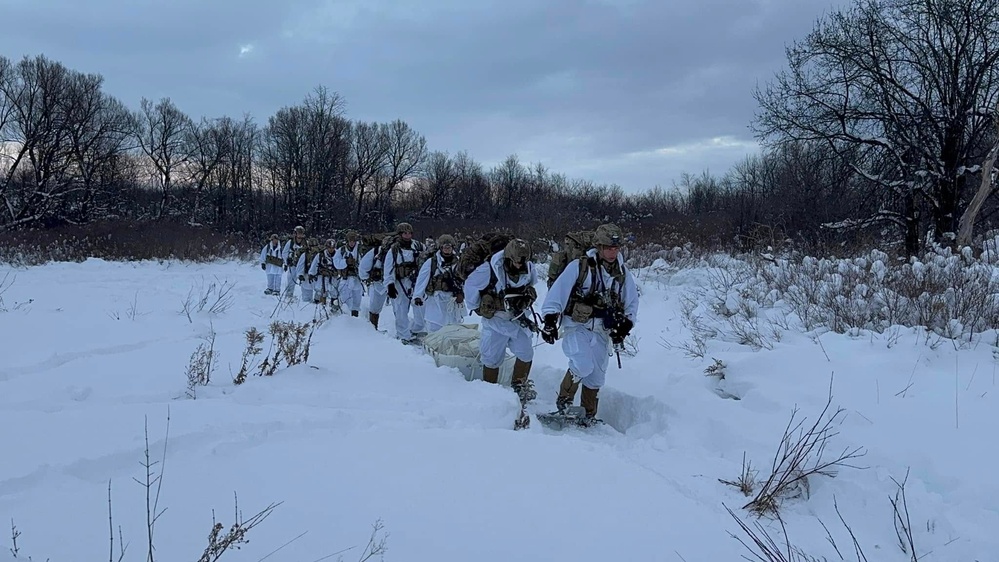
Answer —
(909, 86)
(100, 129)
(206, 143)
(405, 152)
(36, 181)
(160, 131)
(437, 188)
(369, 149)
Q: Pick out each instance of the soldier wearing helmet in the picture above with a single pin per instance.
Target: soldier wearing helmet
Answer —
(296, 263)
(438, 289)
(501, 291)
(346, 260)
(596, 299)
(272, 262)
(402, 266)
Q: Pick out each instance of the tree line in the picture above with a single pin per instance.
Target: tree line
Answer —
(878, 129)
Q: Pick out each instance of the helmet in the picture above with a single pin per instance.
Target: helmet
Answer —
(299, 230)
(331, 243)
(352, 236)
(404, 227)
(607, 235)
(517, 250)
(275, 237)
(444, 240)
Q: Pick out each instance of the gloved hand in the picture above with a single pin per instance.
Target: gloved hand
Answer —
(301, 279)
(312, 278)
(621, 331)
(392, 291)
(550, 332)
(286, 267)
(459, 297)
(418, 301)
(263, 266)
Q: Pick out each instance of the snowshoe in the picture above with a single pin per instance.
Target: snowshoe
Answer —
(571, 416)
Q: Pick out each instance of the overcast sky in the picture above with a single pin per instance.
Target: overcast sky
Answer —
(630, 92)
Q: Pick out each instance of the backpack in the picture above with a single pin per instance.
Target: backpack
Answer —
(371, 241)
(478, 252)
(574, 247)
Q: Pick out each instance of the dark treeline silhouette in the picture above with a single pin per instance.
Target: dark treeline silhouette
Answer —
(863, 145)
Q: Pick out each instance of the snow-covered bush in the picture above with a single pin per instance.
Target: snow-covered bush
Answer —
(950, 294)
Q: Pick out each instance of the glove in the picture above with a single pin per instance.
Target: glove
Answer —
(392, 291)
(418, 301)
(263, 266)
(301, 279)
(286, 267)
(550, 332)
(312, 278)
(459, 298)
(621, 331)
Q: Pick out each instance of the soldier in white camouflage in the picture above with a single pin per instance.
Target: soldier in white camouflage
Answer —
(272, 262)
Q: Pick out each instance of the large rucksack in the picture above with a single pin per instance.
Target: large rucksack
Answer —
(371, 241)
(575, 246)
(478, 252)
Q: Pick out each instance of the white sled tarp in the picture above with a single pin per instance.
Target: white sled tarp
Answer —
(457, 345)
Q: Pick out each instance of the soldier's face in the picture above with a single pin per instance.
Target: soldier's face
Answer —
(407, 235)
(447, 249)
(609, 253)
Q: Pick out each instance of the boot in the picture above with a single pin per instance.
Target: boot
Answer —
(490, 374)
(354, 313)
(566, 392)
(521, 384)
(589, 402)
(373, 318)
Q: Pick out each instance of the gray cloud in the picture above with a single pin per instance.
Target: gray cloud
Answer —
(628, 92)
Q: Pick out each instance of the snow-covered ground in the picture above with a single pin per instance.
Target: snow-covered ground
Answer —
(372, 430)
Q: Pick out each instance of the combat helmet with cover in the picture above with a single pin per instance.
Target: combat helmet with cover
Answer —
(574, 246)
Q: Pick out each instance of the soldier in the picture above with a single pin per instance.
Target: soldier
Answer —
(402, 266)
(437, 288)
(296, 265)
(371, 272)
(272, 262)
(502, 292)
(345, 260)
(597, 300)
(323, 275)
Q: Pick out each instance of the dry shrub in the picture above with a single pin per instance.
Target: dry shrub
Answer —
(122, 240)
(801, 455)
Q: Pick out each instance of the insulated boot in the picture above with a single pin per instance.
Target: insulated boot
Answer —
(490, 374)
(373, 318)
(354, 313)
(521, 384)
(566, 392)
(589, 402)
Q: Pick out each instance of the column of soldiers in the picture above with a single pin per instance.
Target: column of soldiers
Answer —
(591, 305)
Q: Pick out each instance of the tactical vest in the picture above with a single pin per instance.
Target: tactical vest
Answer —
(444, 281)
(351, 270)
(512, 299)
(404, 269)
(274, 256)
(377, 272)
(297, 249)
(326, 268)
(595, 303)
